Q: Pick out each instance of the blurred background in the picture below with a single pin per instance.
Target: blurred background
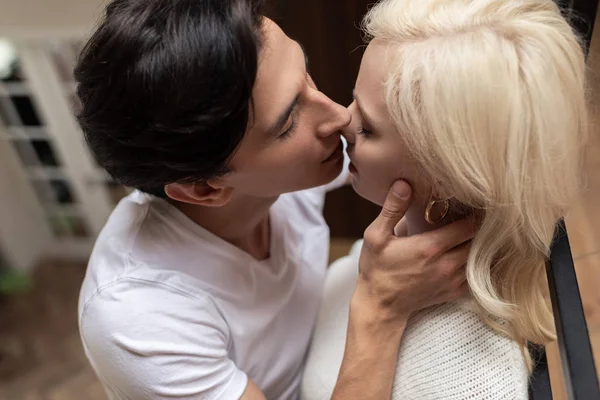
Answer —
(54, 199)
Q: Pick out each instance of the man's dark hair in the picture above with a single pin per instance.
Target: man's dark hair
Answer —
(166, 88)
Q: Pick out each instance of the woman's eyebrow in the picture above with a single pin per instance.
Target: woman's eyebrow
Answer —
(361, 108)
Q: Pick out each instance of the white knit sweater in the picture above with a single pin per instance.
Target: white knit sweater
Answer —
(447, 352)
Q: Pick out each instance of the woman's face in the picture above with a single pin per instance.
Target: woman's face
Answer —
(378, 153)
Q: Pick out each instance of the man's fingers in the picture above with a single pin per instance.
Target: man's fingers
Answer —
(457, 257)
(401, 229)
(393, 210)
(450, 236)
(463, 290)
(454, 262)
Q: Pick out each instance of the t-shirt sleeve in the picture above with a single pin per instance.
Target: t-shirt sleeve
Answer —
(151, 341)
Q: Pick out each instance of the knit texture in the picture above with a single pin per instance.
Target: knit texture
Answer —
(447, 351)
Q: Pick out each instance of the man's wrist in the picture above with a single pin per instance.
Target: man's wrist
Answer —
(367, 318)
(371, 350)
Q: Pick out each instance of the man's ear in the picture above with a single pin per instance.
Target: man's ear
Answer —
(212, 193)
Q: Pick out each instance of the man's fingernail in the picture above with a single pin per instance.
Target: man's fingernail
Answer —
(402, 189)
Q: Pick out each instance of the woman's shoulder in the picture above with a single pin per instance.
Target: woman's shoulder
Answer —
(449, 352)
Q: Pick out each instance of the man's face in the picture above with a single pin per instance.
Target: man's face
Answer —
(293, 141)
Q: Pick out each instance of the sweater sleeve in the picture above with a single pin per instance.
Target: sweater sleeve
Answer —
(448, 352)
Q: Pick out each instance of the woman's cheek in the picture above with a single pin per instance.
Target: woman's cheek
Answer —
(372, 178)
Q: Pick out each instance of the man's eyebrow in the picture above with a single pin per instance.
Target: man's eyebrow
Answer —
(306, 60)
(283, 118)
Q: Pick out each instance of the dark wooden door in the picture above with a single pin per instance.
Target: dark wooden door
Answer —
(329, 32)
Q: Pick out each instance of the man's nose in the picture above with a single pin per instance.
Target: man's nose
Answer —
(335, 118)
(349, 131)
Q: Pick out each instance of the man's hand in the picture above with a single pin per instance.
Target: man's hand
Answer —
(398, 276)
(401, 275)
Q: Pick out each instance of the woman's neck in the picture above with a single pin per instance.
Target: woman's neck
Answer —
(417, 224)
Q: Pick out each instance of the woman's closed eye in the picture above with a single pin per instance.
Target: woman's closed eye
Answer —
(362, 131)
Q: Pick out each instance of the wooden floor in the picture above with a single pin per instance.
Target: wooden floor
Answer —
(40, 353)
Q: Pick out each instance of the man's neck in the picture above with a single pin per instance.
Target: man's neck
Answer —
(243, 222)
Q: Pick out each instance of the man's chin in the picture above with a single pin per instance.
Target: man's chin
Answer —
(316, 180)
(330, 174)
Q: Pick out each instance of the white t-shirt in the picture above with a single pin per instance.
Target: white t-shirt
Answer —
(170, 311)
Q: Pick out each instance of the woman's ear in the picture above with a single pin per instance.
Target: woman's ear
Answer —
(212, 193)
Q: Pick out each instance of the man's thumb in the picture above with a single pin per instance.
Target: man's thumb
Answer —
(395, 206)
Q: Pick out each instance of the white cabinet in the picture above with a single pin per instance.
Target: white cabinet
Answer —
(54, 199)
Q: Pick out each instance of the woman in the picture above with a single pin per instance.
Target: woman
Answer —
(479, 105)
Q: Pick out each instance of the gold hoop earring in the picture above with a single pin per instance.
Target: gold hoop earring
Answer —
(433, 203)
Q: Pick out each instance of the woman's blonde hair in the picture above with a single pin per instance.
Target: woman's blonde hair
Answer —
(489, 96)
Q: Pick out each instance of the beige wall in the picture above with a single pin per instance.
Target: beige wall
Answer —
(22, 19)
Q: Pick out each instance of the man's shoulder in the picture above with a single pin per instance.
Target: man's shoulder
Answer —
(143, 334)
(141, 284)
(143, 240)
(132, 209)
(144, 301)
(110, 263)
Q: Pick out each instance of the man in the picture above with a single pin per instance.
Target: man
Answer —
(205, 283)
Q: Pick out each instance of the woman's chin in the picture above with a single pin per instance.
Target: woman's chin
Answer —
(371, 196)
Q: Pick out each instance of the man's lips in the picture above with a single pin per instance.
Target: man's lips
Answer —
(335, 154)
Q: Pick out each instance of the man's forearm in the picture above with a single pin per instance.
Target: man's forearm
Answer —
(370, 358)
